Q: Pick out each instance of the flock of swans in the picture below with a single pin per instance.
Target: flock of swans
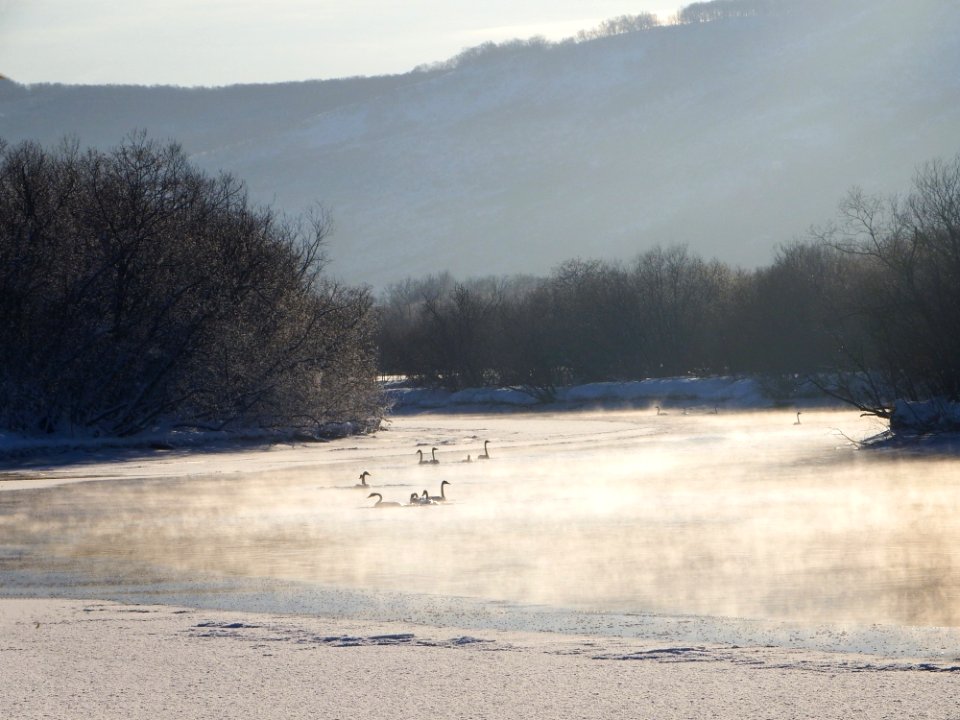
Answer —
(416, 499)
(422, 498)
(485, 455)
(425, 498)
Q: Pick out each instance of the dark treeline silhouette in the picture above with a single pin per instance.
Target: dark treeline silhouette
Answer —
(620, 25)
(699, 12)
(666, 313)
(136, 291)
(869, 307)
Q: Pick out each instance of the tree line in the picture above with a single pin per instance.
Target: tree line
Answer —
(138, 292)
(692, 14)
(868, 307)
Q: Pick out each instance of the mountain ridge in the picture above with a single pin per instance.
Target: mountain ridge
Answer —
(731, 137)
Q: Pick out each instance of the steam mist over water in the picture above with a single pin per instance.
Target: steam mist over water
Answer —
(742, 515)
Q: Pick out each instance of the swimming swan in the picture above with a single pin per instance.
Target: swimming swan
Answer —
(798, 418)
(416, 500)
(433, 457)
(442, 497)
(363, 480)
(485, 455)
(380, 503)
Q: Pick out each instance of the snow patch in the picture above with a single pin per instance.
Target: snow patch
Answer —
(705, 394)
(936, 415)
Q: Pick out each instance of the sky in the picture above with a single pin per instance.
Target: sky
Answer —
(223, 42)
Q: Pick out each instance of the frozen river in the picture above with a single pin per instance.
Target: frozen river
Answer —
(746, 515)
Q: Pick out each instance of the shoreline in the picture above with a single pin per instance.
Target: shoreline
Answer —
(919, 644)
(89, 658)
(701, 394)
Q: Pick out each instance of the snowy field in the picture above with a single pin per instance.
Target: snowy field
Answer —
(712, 544)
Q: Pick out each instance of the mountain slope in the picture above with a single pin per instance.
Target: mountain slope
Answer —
(731, 136)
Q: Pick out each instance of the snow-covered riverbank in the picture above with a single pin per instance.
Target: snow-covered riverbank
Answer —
(692, 393)
(105, 661)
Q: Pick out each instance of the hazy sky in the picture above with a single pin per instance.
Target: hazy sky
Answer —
(219, 42)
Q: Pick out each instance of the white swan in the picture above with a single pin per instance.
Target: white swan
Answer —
(798, 418)
(416, 500)
(380, 503)
(433, 457)
(442, 497)
(659, 411)
(485, 455)
(363, 480)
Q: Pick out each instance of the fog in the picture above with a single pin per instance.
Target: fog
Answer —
(741, 515)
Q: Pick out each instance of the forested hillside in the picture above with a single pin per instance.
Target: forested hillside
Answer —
(729, 132)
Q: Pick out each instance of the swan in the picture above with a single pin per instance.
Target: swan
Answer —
(363, 480)
(485, 455)
(659, 411)
(416, 500)
(442, 497)
(380, 503)
(433, 457)
(798, 418)
(467, 460)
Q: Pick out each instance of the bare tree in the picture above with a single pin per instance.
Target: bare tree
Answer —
(907, 294)
(620, 25)
(138, 291)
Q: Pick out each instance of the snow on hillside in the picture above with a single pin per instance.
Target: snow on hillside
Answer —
(731, 137)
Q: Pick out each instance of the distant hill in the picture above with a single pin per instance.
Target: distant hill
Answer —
(731, 136)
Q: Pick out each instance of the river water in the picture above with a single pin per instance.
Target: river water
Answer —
(687, 514)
